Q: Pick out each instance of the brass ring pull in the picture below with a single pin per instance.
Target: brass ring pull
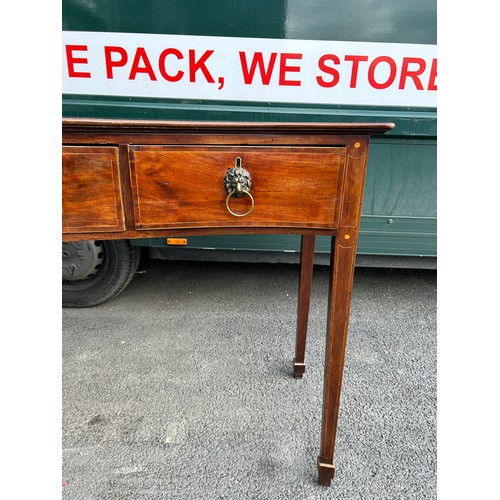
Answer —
(245, 192)
(238, 183)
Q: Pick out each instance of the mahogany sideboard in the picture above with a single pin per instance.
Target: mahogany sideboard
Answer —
(125, 179)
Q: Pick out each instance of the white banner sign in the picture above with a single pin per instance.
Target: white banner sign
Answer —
(249, 69)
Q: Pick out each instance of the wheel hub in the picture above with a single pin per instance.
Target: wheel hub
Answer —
(81, 259)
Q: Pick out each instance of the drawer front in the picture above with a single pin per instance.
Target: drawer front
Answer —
(91, 198)
(183, 186)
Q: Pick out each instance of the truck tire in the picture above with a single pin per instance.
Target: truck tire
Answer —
(94, 272)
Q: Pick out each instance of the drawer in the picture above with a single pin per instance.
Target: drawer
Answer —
(183, 186)
(91, 197)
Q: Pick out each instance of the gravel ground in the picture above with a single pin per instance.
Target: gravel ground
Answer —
(181, 387)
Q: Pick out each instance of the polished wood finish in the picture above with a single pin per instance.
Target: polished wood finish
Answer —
(343, 255)
(101, 130)
(305, 286)
(164, 177)
(136, 179)
(91, 190)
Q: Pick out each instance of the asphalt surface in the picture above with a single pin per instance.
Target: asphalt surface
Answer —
(181, 387)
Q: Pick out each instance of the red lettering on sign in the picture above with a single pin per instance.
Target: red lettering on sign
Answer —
(413, 74)
(328, 70)
(162, 65)
(432, 78)
(284, 68)
(72, 60)
(355, 65)
(140, 55)
(195, 65)
(110, 63)
(257, 60)
(392, 75)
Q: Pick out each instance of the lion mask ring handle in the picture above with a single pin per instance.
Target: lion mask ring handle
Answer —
(238, 183)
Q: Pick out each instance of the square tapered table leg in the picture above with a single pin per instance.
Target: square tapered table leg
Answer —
(305, 285)
(339, 300)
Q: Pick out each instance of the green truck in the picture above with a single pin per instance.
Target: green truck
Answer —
(286, 60)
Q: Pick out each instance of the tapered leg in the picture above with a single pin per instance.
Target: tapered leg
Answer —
(339, 300)
(305, 285)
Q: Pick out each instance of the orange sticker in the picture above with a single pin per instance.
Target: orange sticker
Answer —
(177, 241)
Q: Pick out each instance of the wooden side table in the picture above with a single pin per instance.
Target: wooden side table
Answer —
(125, 179)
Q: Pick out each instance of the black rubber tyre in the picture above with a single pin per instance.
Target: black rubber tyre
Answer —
(96, 271)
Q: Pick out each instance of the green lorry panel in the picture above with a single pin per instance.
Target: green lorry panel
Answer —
(399, 21)
(401, 178)
(399, 208)
(409, 122)
(412, 237)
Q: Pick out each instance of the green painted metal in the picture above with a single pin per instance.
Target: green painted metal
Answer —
(401, 21)
(401, 176)
(415, 123)
(379, 235)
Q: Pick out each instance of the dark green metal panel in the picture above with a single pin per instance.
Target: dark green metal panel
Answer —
(409, 122)
(401, 21)
(399, 208)
(401, 178)
(415, 237)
